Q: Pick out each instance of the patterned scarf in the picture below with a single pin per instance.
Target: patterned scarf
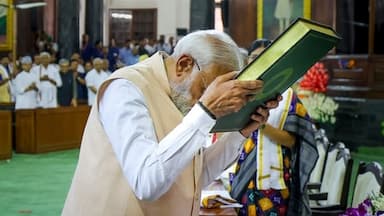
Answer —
(268, 197)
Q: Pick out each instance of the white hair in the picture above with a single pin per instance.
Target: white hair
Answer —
(97, 60)
(45, 54)
(210, 47)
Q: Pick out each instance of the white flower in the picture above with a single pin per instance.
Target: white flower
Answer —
(320, 107)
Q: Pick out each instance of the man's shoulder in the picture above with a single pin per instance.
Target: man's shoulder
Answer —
(52, 67)
(91, 73)
(20, 76)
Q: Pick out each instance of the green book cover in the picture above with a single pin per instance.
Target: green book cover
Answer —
(280, 65)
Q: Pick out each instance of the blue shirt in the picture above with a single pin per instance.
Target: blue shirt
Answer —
(82, 91)
(126, 56)
(113, 54)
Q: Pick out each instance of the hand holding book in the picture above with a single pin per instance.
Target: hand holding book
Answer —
(279, 66)
(226, 95)
(260, 116)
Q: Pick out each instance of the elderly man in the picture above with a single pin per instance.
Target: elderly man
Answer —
(81, 86)
(67, 93)
(25, 85)
(94, 78)
(49, 81)
(143, 150)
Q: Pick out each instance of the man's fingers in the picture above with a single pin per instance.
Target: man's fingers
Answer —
(263, 112)
(227, 76)
(257, 118)
(272, 104)
(252, 84)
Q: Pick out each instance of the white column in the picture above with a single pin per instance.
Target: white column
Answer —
(106, 6)
(81, 20)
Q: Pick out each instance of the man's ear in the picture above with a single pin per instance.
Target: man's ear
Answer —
(184, 65)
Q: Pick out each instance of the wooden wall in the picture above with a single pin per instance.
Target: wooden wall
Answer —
(29, 22)
(324, 11)
(242, 21)
(5, 135)
(45, 130)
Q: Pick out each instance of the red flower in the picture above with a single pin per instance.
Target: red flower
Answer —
(316, 79)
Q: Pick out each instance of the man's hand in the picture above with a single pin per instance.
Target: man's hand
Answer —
(31, 87)
(260, 117)
(93, 89)
(44, 78)
(74, 102)
(226, 95)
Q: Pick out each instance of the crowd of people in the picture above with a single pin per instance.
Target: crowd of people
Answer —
(44, 82)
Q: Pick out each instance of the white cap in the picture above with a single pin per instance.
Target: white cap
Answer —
(26, 60)
(63, 61)
(45, 54)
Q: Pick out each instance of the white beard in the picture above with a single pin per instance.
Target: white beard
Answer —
(180, 95)
(180, 92)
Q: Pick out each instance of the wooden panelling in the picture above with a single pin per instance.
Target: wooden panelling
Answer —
(25, 131)
(45, 130)
(29, 22)
(323, 11)
(144, 24)
(378, 70)
(242, 21)
(5, 135)
(365, 80)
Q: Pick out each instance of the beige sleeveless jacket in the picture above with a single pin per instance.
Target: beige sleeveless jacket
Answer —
(99, 186)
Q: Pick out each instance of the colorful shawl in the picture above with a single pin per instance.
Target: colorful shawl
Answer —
(295, 171)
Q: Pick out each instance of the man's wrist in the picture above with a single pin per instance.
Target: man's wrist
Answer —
(206, 110)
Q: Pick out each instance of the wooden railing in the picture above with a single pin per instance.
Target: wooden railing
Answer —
(5, 135)
(45, 130)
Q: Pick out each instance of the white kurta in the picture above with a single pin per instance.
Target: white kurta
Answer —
(95, 79)
(47, 90)
(132, 135)
(25, 99)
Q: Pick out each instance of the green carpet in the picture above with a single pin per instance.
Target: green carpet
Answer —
(36, 184)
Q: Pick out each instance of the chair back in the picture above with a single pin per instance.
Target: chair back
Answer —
(369, 181)
(326, 179)
(336, 178)
(322, 144)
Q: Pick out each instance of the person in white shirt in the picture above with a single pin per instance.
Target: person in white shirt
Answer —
(143, 150)
(49, 81)
(94, 78)
(25, 85)
(149, 46)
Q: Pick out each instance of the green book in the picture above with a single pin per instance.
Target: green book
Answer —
(280, 65)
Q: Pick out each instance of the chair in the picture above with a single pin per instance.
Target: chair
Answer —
(322, 145)
(370, 180)
(333, 196)
(334, 174)
(326, 178)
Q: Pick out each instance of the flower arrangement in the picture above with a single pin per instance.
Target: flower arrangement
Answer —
(372, 206)
(311, 91)
(316, 79)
